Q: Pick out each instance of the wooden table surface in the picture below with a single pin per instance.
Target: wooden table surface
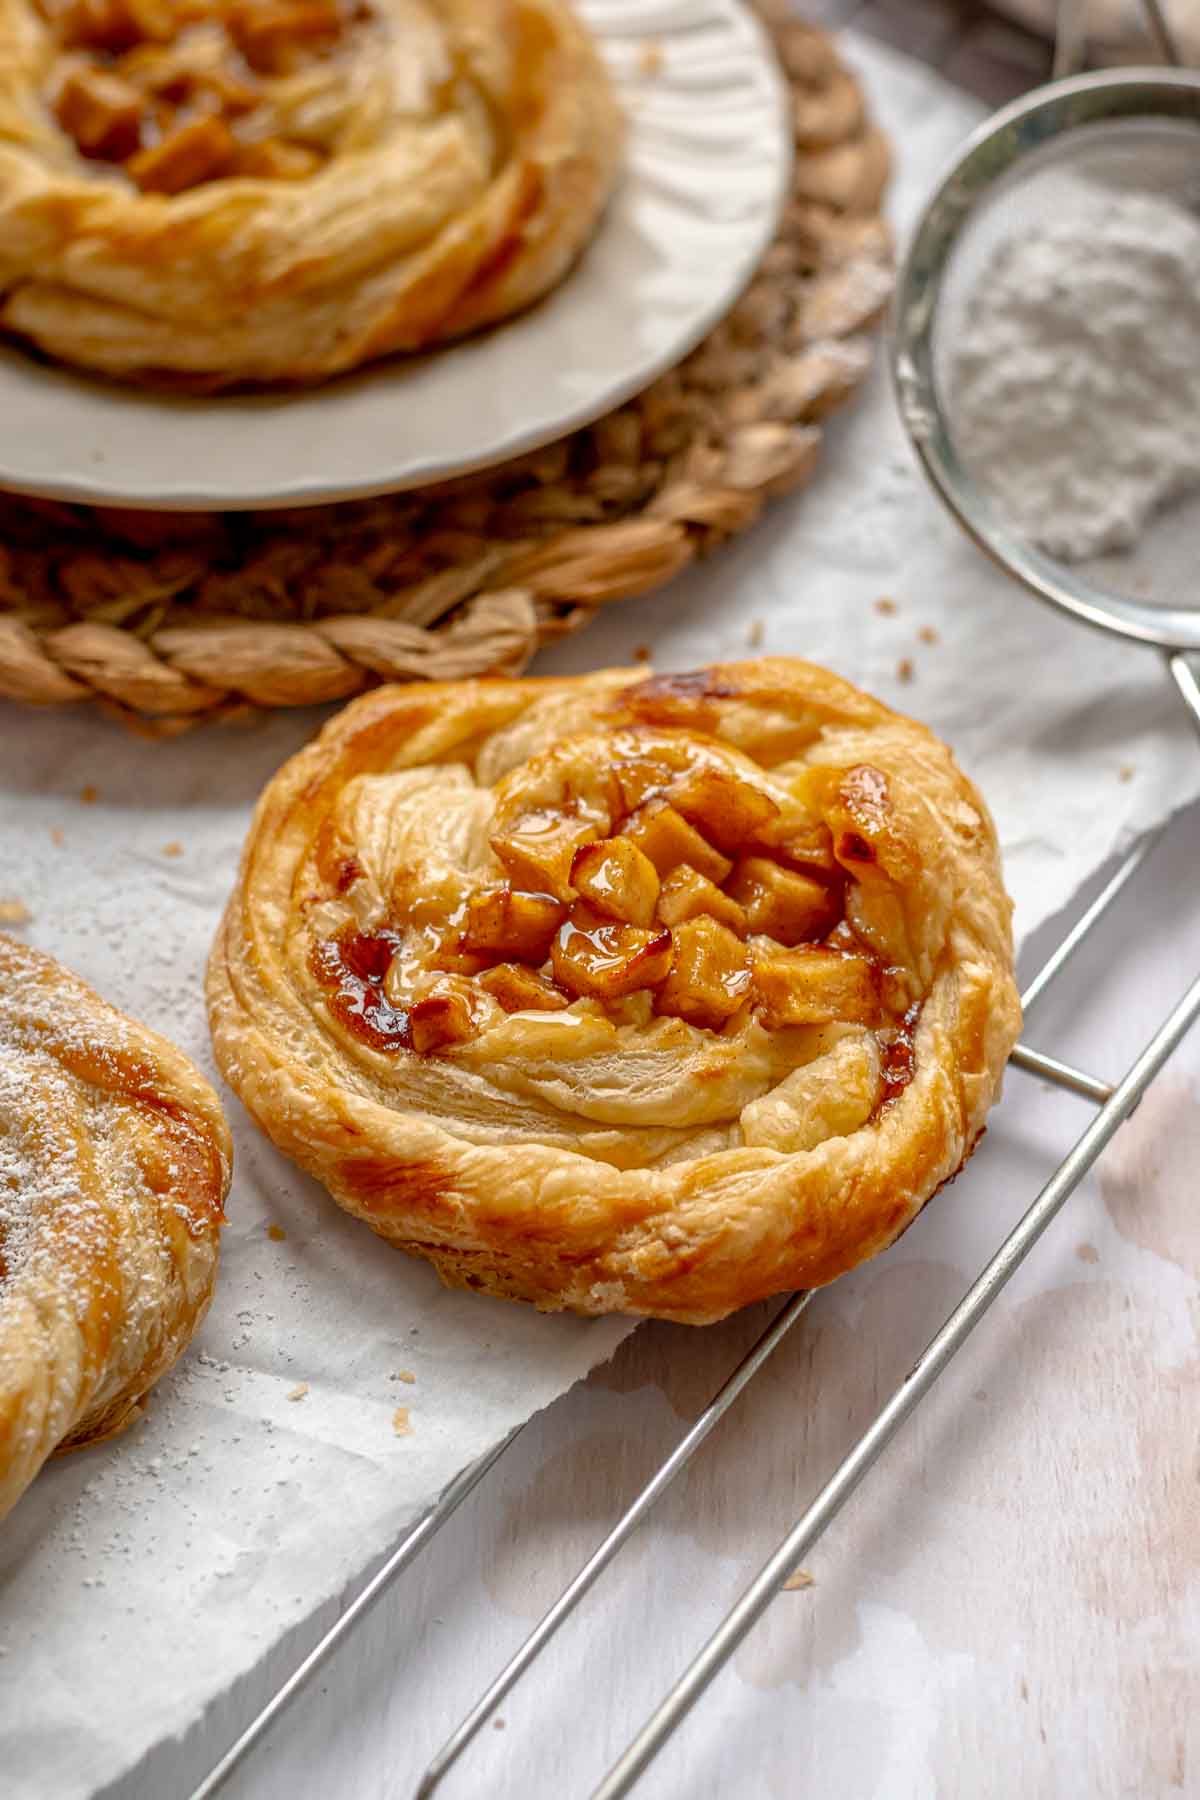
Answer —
(1009, 1606)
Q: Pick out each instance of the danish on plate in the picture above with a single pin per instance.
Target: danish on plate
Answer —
(114, 1164)
(280, 190)
(622, 994)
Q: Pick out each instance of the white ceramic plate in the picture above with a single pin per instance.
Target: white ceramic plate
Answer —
(705, 174)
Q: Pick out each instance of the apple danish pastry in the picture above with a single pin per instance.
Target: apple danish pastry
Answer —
(622, 994)
(114, 1164)
(279, 190)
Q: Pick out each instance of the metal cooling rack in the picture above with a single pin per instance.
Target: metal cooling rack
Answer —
(1113, 1102)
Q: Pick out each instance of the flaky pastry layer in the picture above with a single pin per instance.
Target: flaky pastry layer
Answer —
(621, 994)
(114, 1163)
(292, 204)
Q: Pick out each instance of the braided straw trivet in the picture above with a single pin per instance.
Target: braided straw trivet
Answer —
(172, 618)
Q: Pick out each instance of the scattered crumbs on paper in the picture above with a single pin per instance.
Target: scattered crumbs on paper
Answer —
(1087, 1253)
(174, 848)
(641, 653)
(1125, 772)
(928, 634)
(299, 1391)
(754, 636)
(904, 669)
(886, 607)
(650, 58)
(499, 1724)
(402, 1375)
(14, 912)
(400, 1422)
(57, 837)
(277, 1234)
(799, 1578)
(89, 795)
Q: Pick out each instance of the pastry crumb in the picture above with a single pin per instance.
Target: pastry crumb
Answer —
(402, 1375)
(56, 837)
(1087, 1253)
(1125, 772)
(641, 653)
(499, 1724)
(277, 1234)
(14, 912)
(89, 795)
(400, 1422)
(886, 607)
(904, 669)
(754, 636)
(799, 1578)
(650, 60)
(299, 1391)
(928, 634)
(174, 848)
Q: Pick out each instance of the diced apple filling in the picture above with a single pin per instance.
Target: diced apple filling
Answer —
(618, 879)
(685, 894)
(538, 851)
(609, 961)
(710, 976)
(727, 809)
(814, 986)
(782, 904)
(503, 924)
(665, 836)
(519, 989)
(443, 1016)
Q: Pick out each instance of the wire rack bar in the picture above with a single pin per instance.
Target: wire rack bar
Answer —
(938, 1353)
(1036, 1062)
(410, 1546)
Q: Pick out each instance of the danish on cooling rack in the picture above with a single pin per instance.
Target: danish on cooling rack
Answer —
(622, 994)
(114, 1163)
(279, 190)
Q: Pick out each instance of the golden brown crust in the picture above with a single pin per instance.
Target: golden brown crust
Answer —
(460, 157)
(114, 1164)
(777, 1100)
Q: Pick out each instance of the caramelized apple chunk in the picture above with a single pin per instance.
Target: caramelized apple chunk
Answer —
(723, 806)
(710, 976)
(443, 1016)
(618, 879)
(685, 894)
(537, 852)
(814, 986)
(607, 962)
(503, 924)
(665, 836)
(519, 989)
(113, 25)
(781, 903)
(268, 31)
(100, 111)
(194, 152)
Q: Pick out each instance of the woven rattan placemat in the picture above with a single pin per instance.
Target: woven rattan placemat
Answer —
(172, 618)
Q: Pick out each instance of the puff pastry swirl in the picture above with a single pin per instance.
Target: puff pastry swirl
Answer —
(114, 1163)
(280, 190)
(619, 994)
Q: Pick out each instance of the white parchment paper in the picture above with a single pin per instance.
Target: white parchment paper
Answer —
(137, 1581)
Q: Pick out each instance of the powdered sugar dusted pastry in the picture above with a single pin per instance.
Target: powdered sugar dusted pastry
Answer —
(114, 1163)
(250, 190)
(622, 994)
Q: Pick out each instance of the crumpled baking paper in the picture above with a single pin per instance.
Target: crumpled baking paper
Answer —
(336, 1387)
